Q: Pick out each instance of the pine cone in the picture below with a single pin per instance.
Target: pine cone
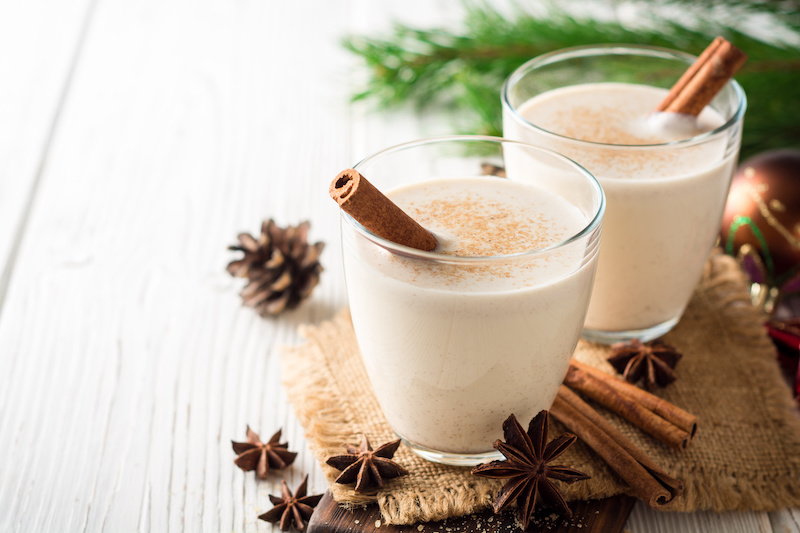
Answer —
(282, 268)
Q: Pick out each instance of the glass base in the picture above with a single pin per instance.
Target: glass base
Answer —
(449, 458)
(644, 335)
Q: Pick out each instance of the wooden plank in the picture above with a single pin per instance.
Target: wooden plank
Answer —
(785, 521)
(127, 363)
(606, 516)
(647, 520)
(40, 42)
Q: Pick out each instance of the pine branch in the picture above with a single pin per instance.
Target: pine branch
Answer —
(465, 71)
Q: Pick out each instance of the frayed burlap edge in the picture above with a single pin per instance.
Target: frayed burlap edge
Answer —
(332, 417)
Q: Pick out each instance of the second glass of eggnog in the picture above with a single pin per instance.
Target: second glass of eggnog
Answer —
(457, 339)
(665, 176)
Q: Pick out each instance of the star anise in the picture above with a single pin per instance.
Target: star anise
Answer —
(527, 456)
(291, 508)
(365, 467)
(255, 455)
(652, 361)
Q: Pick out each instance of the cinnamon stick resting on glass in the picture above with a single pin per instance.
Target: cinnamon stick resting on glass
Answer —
(373, 210)
(704, 79)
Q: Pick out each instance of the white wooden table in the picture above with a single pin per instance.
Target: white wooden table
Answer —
(136, 140)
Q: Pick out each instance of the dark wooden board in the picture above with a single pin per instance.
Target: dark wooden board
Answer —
(594, 516)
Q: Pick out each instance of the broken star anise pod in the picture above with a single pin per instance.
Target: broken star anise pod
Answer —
(365, 467)
(258, 456)
(652, 361)
(527, 456)
(292, 509)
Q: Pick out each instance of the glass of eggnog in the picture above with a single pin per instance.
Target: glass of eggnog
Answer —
(665, 176)
(457, 339)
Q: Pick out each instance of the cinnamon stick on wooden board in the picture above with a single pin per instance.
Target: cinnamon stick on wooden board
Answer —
(666, 410)
(647, 480)
(373, 210)
(704, 79)
(601, 391)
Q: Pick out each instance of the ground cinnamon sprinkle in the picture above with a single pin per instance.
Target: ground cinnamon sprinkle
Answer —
(474, 227)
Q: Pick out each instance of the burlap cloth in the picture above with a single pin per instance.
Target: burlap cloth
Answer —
(746, 454)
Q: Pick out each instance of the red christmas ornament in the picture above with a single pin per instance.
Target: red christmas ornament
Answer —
(785, 333)
(761, 223)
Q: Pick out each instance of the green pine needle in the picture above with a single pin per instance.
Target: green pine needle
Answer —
(466, 71)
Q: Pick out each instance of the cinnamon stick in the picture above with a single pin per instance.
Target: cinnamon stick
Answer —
(648, 481)
(373, 210)
(666, 410)
(704, 79)
(638, 415)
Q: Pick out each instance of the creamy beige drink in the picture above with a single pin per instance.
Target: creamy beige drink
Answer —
(455, 341)
(665, 194)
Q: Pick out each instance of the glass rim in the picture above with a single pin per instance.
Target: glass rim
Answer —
(619, 50)
(437, 257)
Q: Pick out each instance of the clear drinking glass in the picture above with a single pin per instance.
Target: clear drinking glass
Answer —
(455, 344)
(665, 200)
